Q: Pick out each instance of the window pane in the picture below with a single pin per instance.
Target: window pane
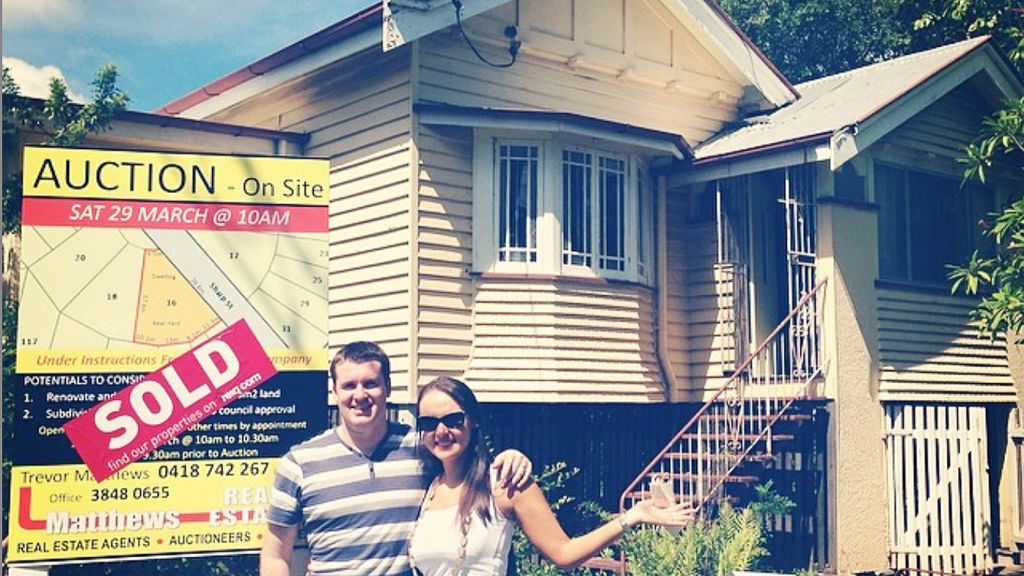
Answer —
(612, 241)
(892, 222)
(935, 223)
(576, 215)
(517, 198)
(926, 222)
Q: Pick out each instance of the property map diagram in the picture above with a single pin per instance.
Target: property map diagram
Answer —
(130, 300)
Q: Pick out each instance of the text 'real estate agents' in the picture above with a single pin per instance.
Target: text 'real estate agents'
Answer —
(141, 418)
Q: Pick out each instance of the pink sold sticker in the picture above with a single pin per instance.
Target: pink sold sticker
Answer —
(146, 415)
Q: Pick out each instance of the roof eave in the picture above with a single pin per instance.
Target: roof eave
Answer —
(717, 29)
(880, 120)
(545, 120)
(781, 145)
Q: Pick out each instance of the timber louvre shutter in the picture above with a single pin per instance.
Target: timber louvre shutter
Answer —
(936, 463)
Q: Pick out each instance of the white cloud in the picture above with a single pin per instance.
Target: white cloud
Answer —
(35, 82)
(46, 13)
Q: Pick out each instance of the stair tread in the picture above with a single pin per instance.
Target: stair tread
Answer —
(739, 478)
(774, 437)
(645, 494)
(754, 457)
(599, 563)
(756, 417)
(805, 398)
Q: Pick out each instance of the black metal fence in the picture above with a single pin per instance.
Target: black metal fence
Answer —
(611, 444)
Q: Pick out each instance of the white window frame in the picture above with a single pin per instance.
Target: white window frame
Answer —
(644, 199)
(549, 217)
(502, 214)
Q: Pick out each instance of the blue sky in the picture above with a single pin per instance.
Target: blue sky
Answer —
(162, 48)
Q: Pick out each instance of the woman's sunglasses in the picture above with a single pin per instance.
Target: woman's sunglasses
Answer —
(429, 423)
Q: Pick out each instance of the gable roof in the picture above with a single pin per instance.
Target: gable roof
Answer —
(362, 30)
(878, 97)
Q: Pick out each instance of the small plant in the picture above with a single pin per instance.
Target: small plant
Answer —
(733, 540)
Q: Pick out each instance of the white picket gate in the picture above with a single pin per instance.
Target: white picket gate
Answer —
(936, 467)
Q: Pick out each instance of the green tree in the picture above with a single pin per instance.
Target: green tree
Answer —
(942, 21)
(999, 147)
(1000, 278)
(809, 39)
(58, 122)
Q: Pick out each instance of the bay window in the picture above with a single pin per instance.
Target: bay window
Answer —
(552, 207)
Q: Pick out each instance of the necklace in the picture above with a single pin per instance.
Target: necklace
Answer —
(460, 555)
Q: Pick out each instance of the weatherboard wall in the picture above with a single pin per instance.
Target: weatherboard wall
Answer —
(357, 112)
(564, 340)
(444, 251)
(926, 348)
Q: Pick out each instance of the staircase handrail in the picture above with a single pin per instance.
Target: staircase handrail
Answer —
(728, 384)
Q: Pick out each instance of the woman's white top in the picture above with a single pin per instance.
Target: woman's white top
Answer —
(434, 548)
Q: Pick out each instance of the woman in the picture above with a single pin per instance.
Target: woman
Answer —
(465, 524)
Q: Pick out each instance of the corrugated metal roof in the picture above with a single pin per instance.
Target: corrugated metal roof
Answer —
(834, 102)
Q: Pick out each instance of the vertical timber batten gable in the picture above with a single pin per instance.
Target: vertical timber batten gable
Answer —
(558, 69)
(358, 113)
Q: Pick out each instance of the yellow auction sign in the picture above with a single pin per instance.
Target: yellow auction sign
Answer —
(173, 177)
(129, 260)
(126, 268)
(59, 513)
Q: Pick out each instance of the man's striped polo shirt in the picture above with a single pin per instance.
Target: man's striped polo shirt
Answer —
(357, 512)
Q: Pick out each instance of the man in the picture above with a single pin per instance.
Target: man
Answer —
(356, 489)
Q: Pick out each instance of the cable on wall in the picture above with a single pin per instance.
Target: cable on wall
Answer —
(510, 32)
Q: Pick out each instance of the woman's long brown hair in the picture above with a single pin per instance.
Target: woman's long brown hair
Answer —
(475, 460)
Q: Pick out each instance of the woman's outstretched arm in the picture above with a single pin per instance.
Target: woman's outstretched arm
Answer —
(534, 514)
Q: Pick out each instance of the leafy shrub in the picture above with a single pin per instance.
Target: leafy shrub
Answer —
(733, 540)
